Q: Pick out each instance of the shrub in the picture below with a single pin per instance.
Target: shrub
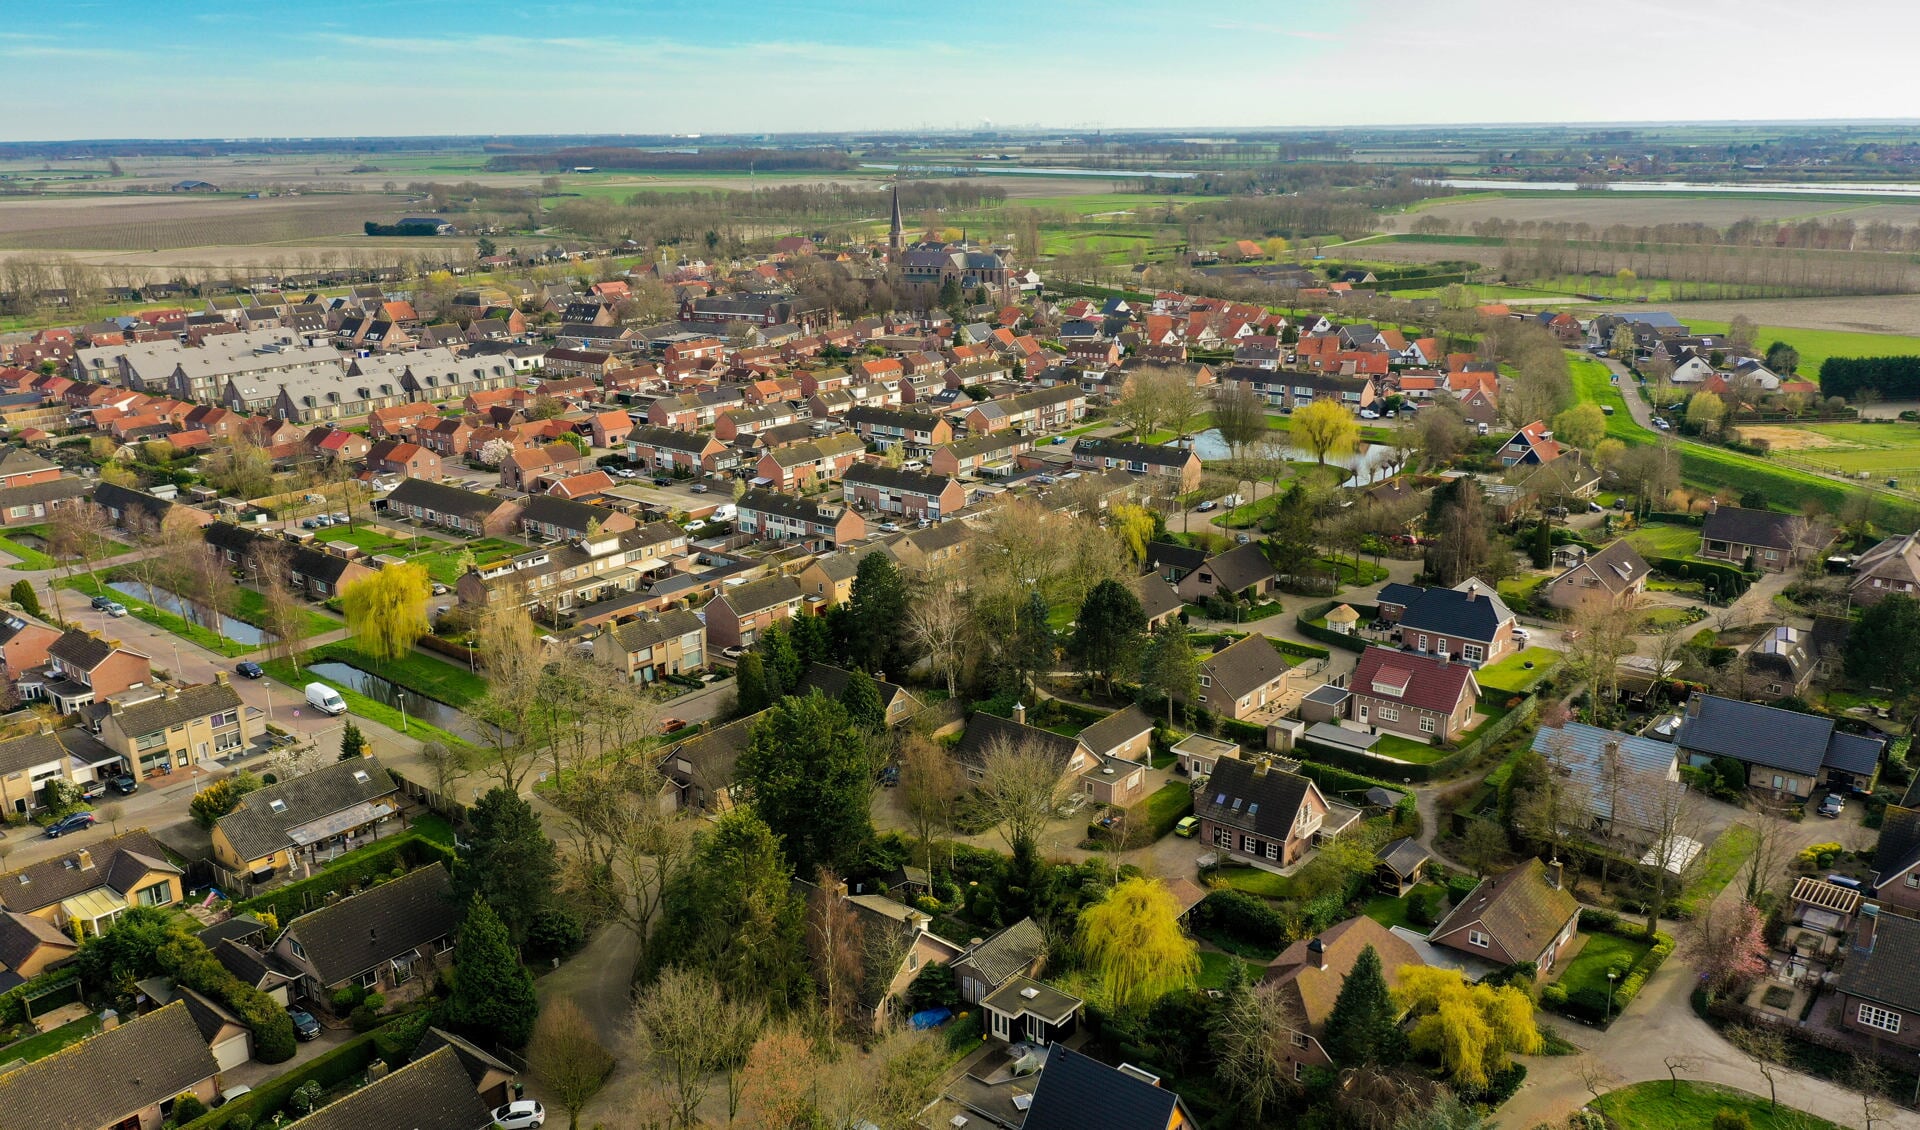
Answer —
(306, 1097)
(1598, 921)
(186, 1108)
(240, 1122)
(364, 1019)
(1242, 917)
(1725, 1119)
(346, 998)
(934, 987)
(1553, 996)
(1818, 855)
(554, 932)
(1423, 908)
(376, 1001)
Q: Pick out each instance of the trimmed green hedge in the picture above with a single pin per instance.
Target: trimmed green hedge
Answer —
(408, 850)
(1729, 582)
(330, 1069)
(1593, 1007)
(1299, 650)
(1434, 770)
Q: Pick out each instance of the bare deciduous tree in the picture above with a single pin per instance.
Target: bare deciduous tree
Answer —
(936, 625)
(567, 1057)
(1022, 787)
(1765, 1046)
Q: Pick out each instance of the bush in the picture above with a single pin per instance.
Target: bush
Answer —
(933, 987)
(306, 1098)
(1423, 908)
(186, 1108)
(1594, 920)
(346, 998)
(1459, 887)
(554, 932)
(410, 849)
(1725, 1119)
(1243, 917)
(364, 1019)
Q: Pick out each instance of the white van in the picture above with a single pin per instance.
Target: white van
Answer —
(325, 699)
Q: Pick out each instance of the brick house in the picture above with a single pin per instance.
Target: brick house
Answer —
(1896, 859)
(1609, 577)
(650, 648)
(381, 939)
(1788, 755)
(1257, 814)
(1245, 678)
(1891, 567)
(668, 449)
(128, 1077)
(737, 616)
(525, 469)
(1423, 697)
(1179, 467)
(1523, 914)
(1879, 993)
(1310, 973)
(453, 508)
(407, 460)
(967, 456)
(909, 493)
(83, 667)
(798, 466)
(772, 516)
(1469, 622)
(884, 427)
(1735, 535)
(1243, 571)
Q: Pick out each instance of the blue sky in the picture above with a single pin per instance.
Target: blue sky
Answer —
(164, 68)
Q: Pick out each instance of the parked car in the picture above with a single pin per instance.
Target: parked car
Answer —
(525, 1114)
(696, 526)
(672, 725)
(1369, 414)
(232, 1093)
(1187, 826)
(305, 1027)
(440, 589)
(1521, 634)
(71, 822)
(102, 603)
(1206, 506)
(733, 651)
(115, 608)
(125, 784)
(248, 669)
(1594, 507)
(1833, 806)
(698, 488)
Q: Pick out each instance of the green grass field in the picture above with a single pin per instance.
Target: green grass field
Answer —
(72, 1032)
(1816, 346)
(1603, 952)
(1660, 1105)
(1391, 911)
(1665, 541)
(1717, 866)
(1512, 676)
(1215, 967)
(1882, 450)
(1254, 881)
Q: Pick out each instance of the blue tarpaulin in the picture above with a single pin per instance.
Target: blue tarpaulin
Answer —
(932, 1018)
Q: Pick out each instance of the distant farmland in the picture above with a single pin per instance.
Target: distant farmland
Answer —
(137, 223)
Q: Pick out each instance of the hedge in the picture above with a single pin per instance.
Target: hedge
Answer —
(1730, 581)
(1300, 650)
(1674, 519)
(1434, 770)
(1333, 779)
(407, 850)
(1244, 732)
(330, 1068)
(1305, 622)
(1593, 1007)
(1245, 918)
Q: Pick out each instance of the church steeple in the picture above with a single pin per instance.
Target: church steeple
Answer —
(896, 233)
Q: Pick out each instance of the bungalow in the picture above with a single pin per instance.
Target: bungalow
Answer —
(436, 1090)
(1893, 566)
(87, 889)
(1019, 950)
(1179, 467)
(1075, 1091)
(1260, 815)
(909, 493)
(449, 507)
(1246, 679)
(1780, 663)
(1523, 914)
(36, 502)
(1608, 578)
(1611, 782)
(128, 1077)
(899, 705)
(1242, 571)
(1158, 599)
(1423, 697)
(772, 516)
(310, 818)
(737, 616)
(649, 649)
(376, 939)
(1124, 735)
(562, 519)
(1788, 755)
(1107, 780)
(1760, 539)
(699, 770)
(668, 449)
(1309, 974)
(1468, 622)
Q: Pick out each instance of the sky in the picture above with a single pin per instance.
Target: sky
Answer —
(271, 68)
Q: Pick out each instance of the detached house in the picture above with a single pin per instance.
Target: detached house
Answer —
(376, 939)
(1608, 578)
(1245, 679)
(1789, 755)
(83, 668)
(89, 888)
(1423, 697)
(1531, 445)
(1524, 914)
(1763, 537)
(1257, 814)
(312, 817)
(1075, 1092)
(1891, 567)
(1310, 973)
(1241, 571)
(1879, 994)
(899, 704)
(1468, 623)
(128, 1077)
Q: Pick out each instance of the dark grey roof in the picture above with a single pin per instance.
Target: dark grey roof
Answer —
(431, 1093)
(670, 439)
(64, 876)
(1885, 974)
(1853, 753)
(892, 418)
(256, 829)
(171, 709)
(710, 756)
(83, 650)
(1748, 527)
(985, 730)
(1157, 597)
(1397, 593)
(637, 635)
(832, 682)
(1009, 952)
(1076, 1092)
(1898, 851)
(477, 1060)
(443, 499)
(22, 753)
(788, 506)
(1122, 725)
(564, 513)
(207, 1015)
(1149, 453)
(1773, 737)
(22, 934)
(56, 490)
(988, 444)
(388, 921)
(125, 499)
(1165, 554)
(1404, 855)
(1241, 567)
(1457, 613)
(107, 1078)
(1244, 666)
(245, 962)
(1246, 795)
(764, 593)
(895, 479)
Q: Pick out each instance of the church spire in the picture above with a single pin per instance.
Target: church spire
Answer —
(895, 233)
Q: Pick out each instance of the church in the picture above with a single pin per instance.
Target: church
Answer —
(930, 264)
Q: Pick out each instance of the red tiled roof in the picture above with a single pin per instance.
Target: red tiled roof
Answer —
(1417, 680)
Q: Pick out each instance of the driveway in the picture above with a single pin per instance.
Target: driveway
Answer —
(253, 1073)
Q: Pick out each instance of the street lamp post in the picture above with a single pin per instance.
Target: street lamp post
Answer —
(401, 698)
(267, 684)
(1610, 976)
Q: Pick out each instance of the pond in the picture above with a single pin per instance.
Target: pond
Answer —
(1372, 462)
(31, 541)
(380, 690)
(237, 630)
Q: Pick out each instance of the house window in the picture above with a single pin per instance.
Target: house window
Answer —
(1206, 680)
(1773, 555)
(370, 979)
(1273, 851)
(299, 950)
(1774, 688)
(1299, 1040)
(1472, 652)
(1875, 1017)
(1778, 781)
(1913, 878)
(1389, 714)
(1299, 1070)
(160, 894)
(1423, 641)
(1249, 845)
(1223, 837)
(1477, 938)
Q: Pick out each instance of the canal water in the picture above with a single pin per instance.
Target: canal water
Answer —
(237, 630)
(419, 707)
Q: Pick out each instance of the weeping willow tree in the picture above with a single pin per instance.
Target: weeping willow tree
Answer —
(1132, 940)
(387, 611)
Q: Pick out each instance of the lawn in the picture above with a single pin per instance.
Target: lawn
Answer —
(250, 606)
(1254, 881)
(1407, 749)
(32, 559)
(444, 565)
(1882, 450)
(1391, 911)
(1663, 620)
(1661, 1105)
(162, 619)
(1519, 590)
(361, 706)
(1603, 952)
(1511, 674)
(432, 678)
(373, 539)
(1215, 967)
(1717, 866)
(46, 1043)
(1659, 540)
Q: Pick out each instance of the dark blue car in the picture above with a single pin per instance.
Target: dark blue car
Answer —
(71, 822)
(249, 669)
(305, 1027)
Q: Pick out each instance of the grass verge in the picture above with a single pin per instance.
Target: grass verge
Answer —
(1716, 867)
(46, 1043)
(1512, 676)
(162, 619)
(359, 705)
(1663, 1105)
(423, 674)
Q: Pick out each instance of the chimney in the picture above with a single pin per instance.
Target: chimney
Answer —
(1317, 953)
(1019, 714)
(1473, 590)
(1865, 930)
(1693, 706)
(1553, 873)
(1261, 767)
(85, 858)
(46, 727)
(220, 678)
